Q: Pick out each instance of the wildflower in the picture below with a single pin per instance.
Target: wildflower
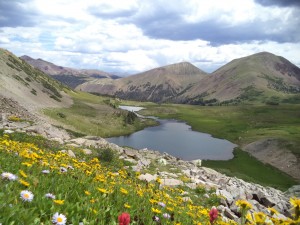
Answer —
(49, 195)
(26, 196)
(124, 219)
(213, 214)
(124, 191)
(273, 211)
(162, 204)
(295, 202)
(63, 169)
(23, 182)
(104, 191)
(23, 174)
(155, 218)
(155, 210)
(59, 219)
(243, 204)
(127, 206)
(8, 176)
(87, 192)
(45, 171)
(59, 202)
(296, 206)
(167, 215)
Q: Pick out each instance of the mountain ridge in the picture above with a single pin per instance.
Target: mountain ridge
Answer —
(67, 75)
(261, 77)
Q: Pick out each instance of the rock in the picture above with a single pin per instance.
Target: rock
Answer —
(71, 153)
(229, 214)
(87, 151)
(8, 131)
(59, 140)
(226, 194)
(144, 162)
(132, 153)
(147, 177)
(197, 162)
(131, 160)
(171, 182)
(293, 191)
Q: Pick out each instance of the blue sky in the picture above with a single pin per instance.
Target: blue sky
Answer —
(130, 36)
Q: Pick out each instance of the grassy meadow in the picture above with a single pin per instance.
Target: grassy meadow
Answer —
(98, 115)
(95, 115)
(242, 125)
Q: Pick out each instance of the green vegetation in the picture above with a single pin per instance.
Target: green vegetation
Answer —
(37, 182)
(242, 125)
(249, 169)
(238, 124)
(96, 115)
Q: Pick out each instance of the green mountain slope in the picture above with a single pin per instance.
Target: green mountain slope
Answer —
(157, 85)
(261, 77)
(27, 85)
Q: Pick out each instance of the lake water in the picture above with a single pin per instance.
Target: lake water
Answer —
(178, 139)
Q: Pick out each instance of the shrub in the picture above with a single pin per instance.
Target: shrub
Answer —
(106, 155)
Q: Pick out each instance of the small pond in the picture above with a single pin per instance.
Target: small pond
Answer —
(176, 138)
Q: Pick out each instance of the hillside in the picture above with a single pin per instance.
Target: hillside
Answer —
(69, 76)
(157, 85)
(258, 78)
(28, 86)
(261, 77)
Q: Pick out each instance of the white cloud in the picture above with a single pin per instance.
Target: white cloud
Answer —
(111, 35)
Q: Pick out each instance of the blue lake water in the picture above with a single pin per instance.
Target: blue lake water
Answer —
(178, 139)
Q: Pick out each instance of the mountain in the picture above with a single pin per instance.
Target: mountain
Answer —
(28, 86)
(259, 78)
(158, 85)
(262, 77)
(69, 76)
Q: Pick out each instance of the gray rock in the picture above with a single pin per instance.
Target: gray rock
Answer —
(87, 151)
(71, 153)
(147, 177)
(171, 182)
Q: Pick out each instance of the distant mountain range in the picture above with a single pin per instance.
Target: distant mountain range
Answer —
(259, 78)
(69, 76)
(262, 77)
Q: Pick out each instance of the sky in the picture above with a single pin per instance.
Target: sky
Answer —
(129, 36)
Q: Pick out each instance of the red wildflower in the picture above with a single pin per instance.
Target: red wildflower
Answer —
(124, 219)
(213, 214)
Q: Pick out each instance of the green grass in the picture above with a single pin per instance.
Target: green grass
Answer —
(242, 125)
(238, 124)
(249, 169)
(95, 115)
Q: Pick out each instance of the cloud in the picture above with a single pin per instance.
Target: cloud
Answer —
(17, 13)
(280, 3)
(217, 23)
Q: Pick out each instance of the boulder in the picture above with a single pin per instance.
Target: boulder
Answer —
(171, 182)
(87, 151)
(147, 177)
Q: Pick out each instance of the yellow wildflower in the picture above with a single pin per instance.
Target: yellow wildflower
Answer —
(59, 202)
(155, 210)
(102, 190)
(87, 192)
(243, 204)
(23, 174)
(273, 211)
(295, 202)
(127, 206)
(124, 191)
(23, 182)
